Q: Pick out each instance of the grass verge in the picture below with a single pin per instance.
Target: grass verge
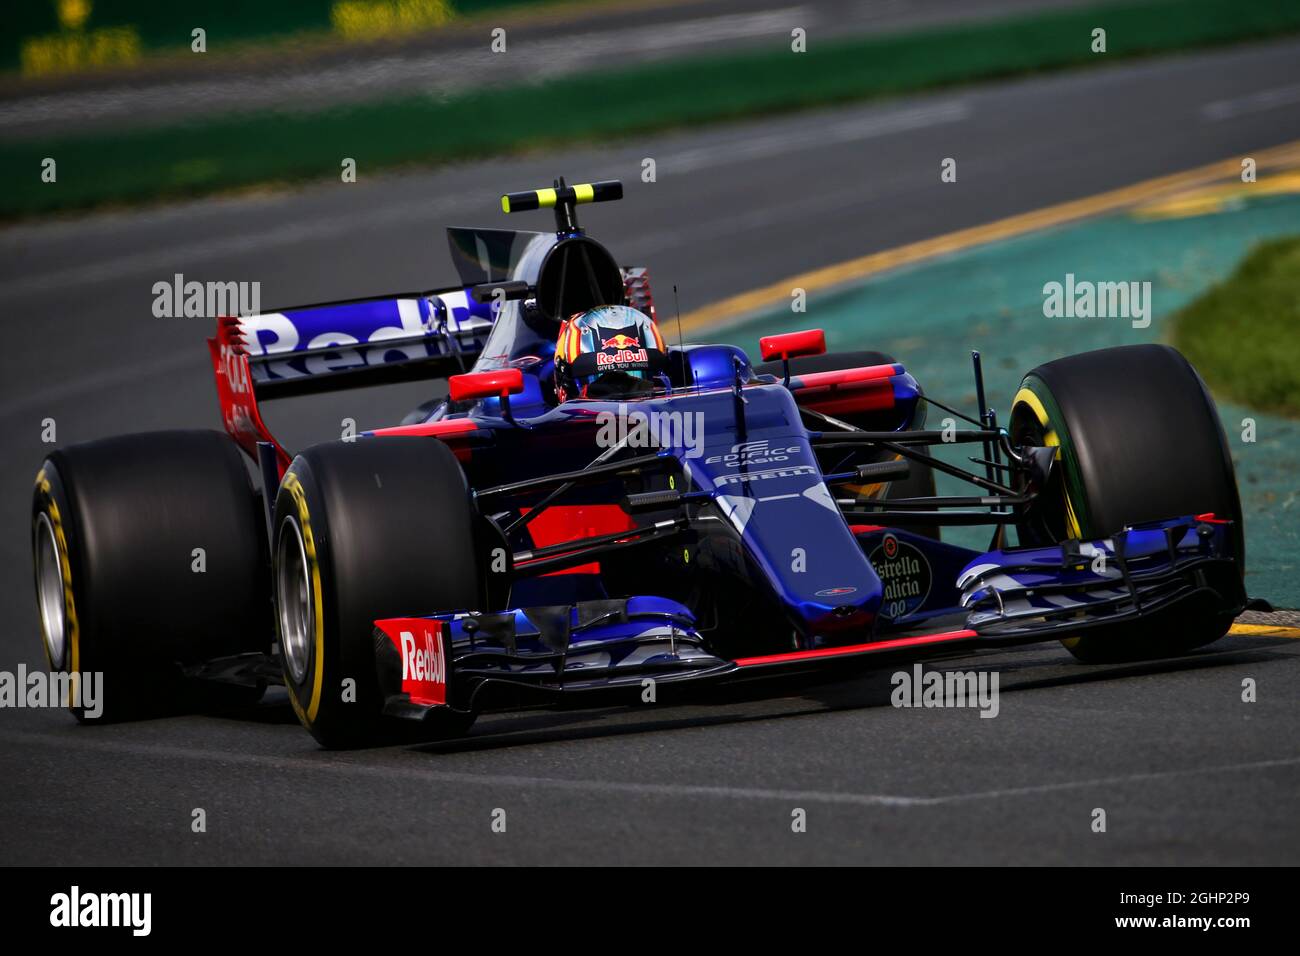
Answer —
(1243, 335)
(247, 149)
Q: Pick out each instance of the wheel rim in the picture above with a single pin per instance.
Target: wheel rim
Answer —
(1049, 518)
(293, 598)
(49, 592)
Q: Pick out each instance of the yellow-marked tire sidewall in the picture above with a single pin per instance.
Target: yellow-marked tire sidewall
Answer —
(337, 699)
(49, 500)
(306, 695)
(1034, 398)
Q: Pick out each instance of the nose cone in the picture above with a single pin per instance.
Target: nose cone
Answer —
(808, 555)
(766, 482)
(856, 613)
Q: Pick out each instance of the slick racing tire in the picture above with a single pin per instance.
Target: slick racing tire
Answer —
(368, 529)
(150, 555)
(1140, 440)
(920, 482)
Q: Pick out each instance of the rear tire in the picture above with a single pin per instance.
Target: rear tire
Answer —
(116, 528)
(1140, 440)
(375, 528)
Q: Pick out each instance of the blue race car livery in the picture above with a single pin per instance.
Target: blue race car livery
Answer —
(510, 544)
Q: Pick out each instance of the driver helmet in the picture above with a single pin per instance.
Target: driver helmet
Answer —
(605, 352)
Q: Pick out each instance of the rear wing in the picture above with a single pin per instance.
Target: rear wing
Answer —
(339, 345)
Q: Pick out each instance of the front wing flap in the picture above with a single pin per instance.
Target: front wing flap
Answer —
(1141, 572)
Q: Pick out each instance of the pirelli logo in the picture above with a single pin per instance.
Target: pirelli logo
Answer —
(766, 474)
(604, 191)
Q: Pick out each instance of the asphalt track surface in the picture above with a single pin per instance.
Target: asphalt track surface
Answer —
(1186, 772)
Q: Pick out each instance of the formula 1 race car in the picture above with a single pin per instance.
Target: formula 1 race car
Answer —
(520, 542)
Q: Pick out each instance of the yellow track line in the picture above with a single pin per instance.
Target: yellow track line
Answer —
(731, 309)
(1265, 630)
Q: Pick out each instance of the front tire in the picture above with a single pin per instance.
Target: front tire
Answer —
(1139, 440)
(375, 528)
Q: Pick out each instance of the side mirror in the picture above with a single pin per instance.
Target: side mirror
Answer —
(498, 383)
(792, 345)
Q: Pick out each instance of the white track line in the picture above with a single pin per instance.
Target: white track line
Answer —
(1257, 102)
(793, 139)
(338, 765)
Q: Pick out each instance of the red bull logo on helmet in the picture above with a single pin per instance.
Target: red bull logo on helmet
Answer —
(620, 341)
(624, 357)
(621, 350)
